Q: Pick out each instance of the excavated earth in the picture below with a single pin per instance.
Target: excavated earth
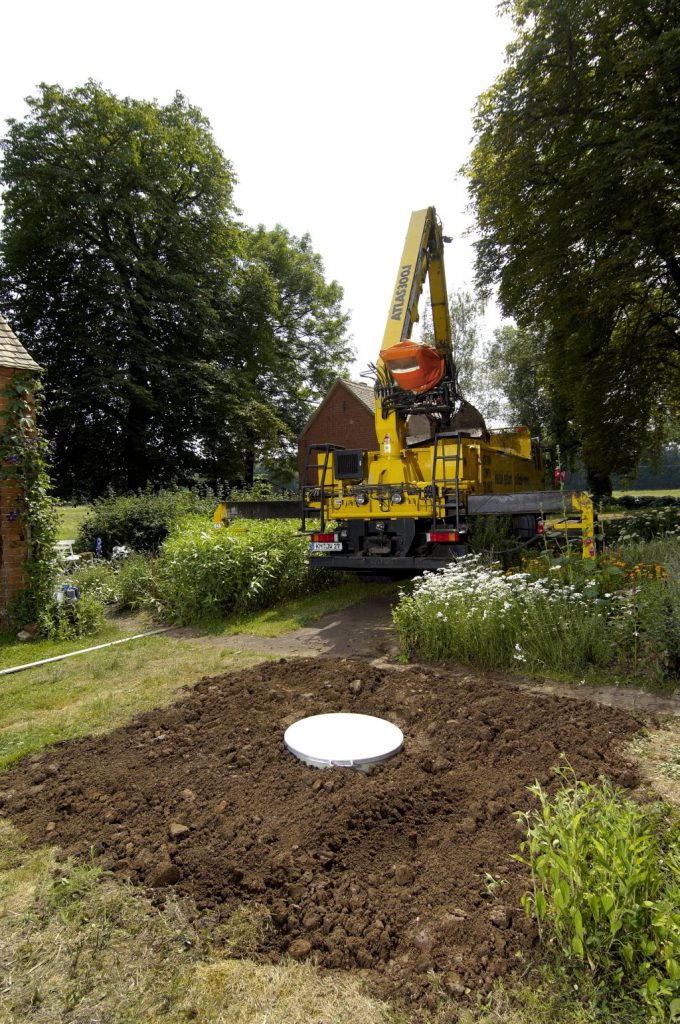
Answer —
(401, 872)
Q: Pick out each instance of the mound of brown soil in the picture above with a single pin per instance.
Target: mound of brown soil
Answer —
(388, 871)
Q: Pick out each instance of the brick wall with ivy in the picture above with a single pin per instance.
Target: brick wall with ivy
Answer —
(27, 512)
(13, 539)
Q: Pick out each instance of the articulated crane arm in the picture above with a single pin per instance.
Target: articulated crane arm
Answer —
(415, 378)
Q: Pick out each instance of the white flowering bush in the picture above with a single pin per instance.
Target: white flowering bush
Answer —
(644, 525)
(478, 614)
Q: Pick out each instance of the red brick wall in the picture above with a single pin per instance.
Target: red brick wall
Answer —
(13, 544)
(345, 420)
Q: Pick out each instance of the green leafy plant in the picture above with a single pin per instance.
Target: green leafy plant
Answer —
(606, 888)
(202, 571)
(565, 615)
(98, 578)
(70, 619)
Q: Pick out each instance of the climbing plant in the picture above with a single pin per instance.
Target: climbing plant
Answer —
(24, 459)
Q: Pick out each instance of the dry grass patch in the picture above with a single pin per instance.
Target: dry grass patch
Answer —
(75, 945)
(658, 756)
(243, 992)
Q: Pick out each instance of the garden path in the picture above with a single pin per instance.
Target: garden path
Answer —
(366, 631)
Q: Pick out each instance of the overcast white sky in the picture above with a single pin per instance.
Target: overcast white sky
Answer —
(339, 118)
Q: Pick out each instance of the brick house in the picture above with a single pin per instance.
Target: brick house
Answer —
(14, 360)
(346, 417)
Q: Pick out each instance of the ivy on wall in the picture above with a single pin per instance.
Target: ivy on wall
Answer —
(24, 459)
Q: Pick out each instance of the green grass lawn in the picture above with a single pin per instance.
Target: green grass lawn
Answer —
(305, 610)
(99, 691)
(14, 652)
(70, 518)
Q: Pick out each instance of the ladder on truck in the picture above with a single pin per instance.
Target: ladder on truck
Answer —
(318, 490)
(443, 485)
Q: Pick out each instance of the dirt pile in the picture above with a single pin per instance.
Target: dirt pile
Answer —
(402, 871)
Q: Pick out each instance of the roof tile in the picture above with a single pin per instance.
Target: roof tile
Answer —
(12, 352)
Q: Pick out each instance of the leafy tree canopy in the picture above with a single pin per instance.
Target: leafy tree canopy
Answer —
(465, 311)
(574, 180)
(163, 324)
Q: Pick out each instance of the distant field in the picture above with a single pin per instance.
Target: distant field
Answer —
(70, 518)
(673, 492)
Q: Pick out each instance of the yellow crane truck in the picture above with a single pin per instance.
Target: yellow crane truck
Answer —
(415, 503)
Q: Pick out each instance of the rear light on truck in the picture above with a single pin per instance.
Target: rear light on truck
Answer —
(323, 538)
(443, 537)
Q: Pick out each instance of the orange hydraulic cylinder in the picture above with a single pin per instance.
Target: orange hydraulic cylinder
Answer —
(414, 366)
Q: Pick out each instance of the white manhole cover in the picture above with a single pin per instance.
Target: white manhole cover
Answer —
(343, 740)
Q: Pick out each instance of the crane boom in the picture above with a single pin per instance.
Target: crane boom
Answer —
(423, 256)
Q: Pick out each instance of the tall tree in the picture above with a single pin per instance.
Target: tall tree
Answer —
(124, 270)
(465, 311)
(293, 344)
(574, 179)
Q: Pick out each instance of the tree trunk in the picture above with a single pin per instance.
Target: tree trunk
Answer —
(249, 468)
(599, 484)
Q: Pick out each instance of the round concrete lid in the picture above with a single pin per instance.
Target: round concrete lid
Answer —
(343, 739)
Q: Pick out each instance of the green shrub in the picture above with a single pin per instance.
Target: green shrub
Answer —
(134, 584)
(262, 490)
(72, 619)
(643, 526)
(97, 578)
(141, 521)
(126, 585)
(606, 890)
(202, 571)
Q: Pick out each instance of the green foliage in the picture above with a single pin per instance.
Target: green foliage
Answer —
(606, 890)
(177, 342)
(491, 535)
(98, 578)
(118, 231)
(70, 619)
(140, 521)
(295, 346)
(515, 374)
(203, 572)
(574, 178)
(262, 490)
(134, 582)
(660, 521)
(127, 585)
(23, 460)
(465, 311)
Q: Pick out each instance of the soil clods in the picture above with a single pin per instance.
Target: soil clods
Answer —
(402, 872)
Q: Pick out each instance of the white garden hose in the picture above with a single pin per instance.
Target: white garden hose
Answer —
(85, 650)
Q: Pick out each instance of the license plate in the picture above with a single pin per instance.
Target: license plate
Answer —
(326, 546)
